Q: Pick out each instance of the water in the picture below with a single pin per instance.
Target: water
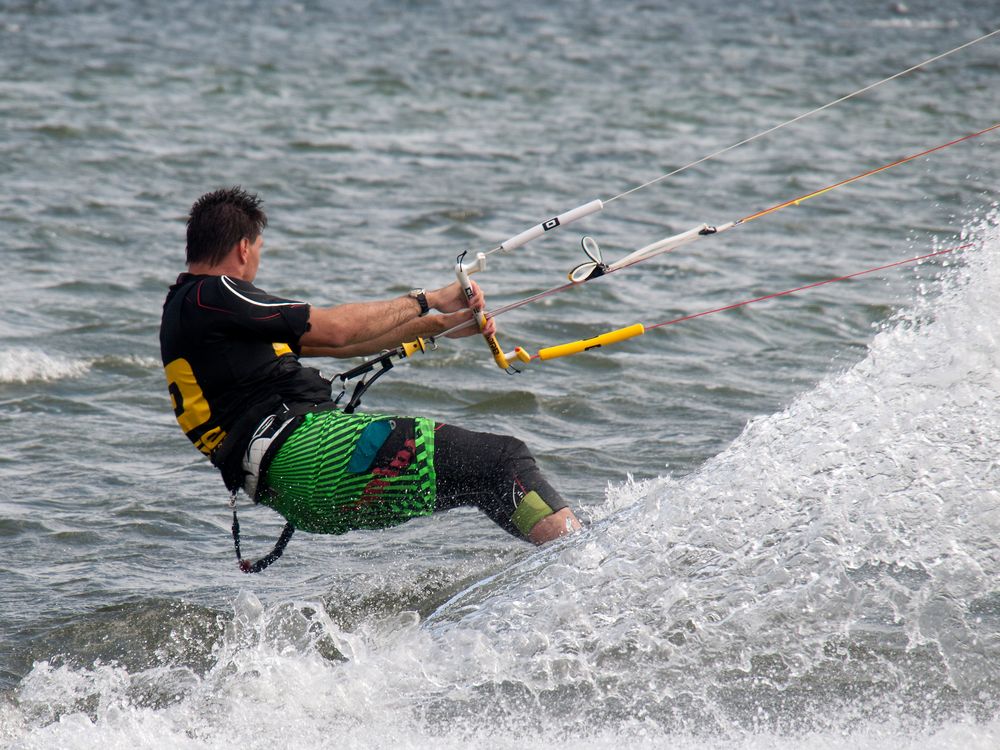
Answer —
(793, 506)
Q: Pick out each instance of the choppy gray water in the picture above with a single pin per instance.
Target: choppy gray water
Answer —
(794, 506)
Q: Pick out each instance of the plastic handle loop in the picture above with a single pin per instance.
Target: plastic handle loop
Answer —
(592, 268)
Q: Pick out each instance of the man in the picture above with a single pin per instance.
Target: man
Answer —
(231, 355)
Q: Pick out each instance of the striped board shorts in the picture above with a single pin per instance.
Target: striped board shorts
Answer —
(330, 475)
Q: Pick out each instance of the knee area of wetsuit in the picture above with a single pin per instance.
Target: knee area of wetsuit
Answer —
(516, 449)
(531, 510)
(514, 457)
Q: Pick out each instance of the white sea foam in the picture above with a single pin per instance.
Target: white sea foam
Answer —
(815, 585)
(26, 365)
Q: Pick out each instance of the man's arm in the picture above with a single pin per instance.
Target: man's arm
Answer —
(363, 328)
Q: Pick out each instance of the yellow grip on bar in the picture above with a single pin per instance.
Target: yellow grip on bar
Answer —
(498, 356)
(411, 347)
(575, 347)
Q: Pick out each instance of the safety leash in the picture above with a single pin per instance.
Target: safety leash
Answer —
(278, 550)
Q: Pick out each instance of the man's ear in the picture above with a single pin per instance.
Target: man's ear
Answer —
(244, 250)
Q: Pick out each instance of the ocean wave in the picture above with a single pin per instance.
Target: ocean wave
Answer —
(922, 24)
(273, 685)
(25, 365)
(829, 566)
(127, 362)
(823, 582)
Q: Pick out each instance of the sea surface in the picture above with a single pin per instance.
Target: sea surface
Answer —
(793, 507)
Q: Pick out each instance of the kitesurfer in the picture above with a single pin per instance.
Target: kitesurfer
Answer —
(231, 353)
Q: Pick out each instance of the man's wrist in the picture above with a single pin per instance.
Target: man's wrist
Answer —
(420, 295)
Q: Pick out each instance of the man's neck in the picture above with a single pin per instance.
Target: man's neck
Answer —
(221, 269)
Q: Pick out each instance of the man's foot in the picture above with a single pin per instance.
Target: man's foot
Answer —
(551, 527)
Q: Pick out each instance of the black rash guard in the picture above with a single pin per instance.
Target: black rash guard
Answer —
(230, 352)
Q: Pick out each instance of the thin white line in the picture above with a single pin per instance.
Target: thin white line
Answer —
(761, 134)
(228, 284)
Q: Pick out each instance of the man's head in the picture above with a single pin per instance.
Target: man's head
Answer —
(220, 221)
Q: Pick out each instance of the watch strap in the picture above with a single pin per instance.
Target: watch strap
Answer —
(421, 297)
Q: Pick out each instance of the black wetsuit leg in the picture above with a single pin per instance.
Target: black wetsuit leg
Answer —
(495, 473)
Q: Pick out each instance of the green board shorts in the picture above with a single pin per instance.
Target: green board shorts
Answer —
(322, 478)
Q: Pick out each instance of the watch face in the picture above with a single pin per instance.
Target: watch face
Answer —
(421, 297)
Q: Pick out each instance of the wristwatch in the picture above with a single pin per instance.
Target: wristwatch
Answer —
(421, 297)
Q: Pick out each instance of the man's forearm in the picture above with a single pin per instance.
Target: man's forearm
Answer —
(430, 325)
(360, 322)
(361, 328)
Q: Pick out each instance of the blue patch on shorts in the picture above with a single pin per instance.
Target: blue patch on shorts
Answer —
(372, 438)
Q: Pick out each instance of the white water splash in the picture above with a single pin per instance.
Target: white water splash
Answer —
(828, 581)
(24, 365)
(838, 562)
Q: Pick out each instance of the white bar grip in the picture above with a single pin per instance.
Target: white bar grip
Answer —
(462, 272)
(546, 226)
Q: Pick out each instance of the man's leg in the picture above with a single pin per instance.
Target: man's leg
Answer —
(498, 475)
(338, 472)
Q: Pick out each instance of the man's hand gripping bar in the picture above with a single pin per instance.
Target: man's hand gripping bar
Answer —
(462, 271)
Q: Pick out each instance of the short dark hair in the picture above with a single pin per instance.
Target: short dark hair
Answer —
(219, 220)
